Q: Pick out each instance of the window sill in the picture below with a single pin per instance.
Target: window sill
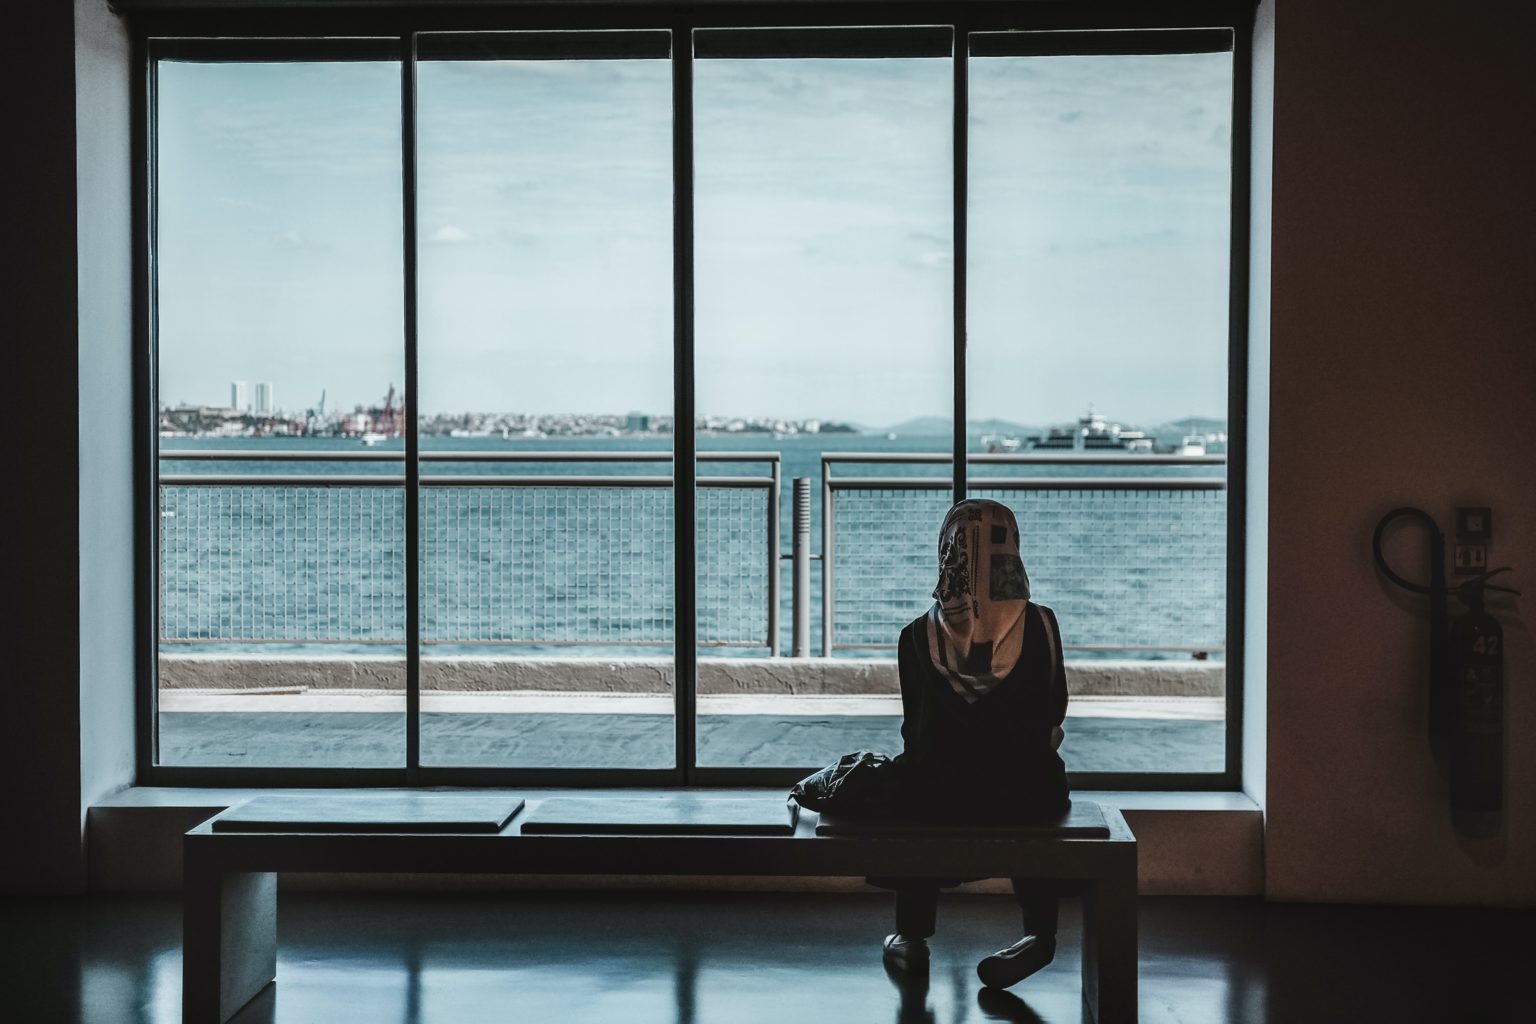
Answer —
(1188, 844)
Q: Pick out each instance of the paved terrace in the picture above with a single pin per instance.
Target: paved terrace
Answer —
(606, 713)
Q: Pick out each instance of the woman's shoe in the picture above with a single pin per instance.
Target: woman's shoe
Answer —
(908, 956)
(1010, 966)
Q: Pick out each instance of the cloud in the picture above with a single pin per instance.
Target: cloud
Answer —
(299, 242)
(931, 259)
(448, 234)
(1127, 240)
(242, 203)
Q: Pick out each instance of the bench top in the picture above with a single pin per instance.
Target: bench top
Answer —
(1085, 820)
(425, 811)
(514, 849)
(654, 814)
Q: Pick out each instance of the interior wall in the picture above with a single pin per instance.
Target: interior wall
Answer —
(39, 731)
(66, 738)
(1402, 372)
(105, 341)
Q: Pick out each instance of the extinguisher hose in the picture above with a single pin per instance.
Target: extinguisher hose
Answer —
(1440, 694)
(1436, 551)
(1436, 588)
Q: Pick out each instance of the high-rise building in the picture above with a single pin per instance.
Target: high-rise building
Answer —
(239, 396)
(264, 406)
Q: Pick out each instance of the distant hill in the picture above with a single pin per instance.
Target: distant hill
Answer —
(939, 426)
(1173, 433)
(1193, 425)
(1005, 427)
(922, 426)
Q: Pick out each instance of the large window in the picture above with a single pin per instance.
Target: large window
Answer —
(823, 323)
(564, 405)
(544, 227)
(279, 339)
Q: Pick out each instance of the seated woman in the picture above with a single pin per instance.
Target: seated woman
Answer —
(983, 696)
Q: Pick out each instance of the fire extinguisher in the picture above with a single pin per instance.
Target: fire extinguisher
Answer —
(1477, 726)
(1466, 674)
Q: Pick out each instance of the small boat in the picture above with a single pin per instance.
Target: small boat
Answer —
(373, 437)
(1194, 444)
(997, 444)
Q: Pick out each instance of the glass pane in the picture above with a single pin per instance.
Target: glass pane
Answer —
(824, 328)
(282, 614)
(545, 225)
(1097, 305)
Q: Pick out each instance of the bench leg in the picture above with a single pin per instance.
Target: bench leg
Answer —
(228, 940)
(1109, 949)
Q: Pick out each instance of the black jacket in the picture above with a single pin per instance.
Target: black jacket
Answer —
(991, 760)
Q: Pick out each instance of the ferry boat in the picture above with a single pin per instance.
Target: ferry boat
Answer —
(1059, 439)
(1094, 433)
(997, 444)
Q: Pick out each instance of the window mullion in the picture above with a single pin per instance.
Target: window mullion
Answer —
(412, 391)
(959, 56)
(684, 468)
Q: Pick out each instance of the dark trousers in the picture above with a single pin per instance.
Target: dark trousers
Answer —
(917, 905)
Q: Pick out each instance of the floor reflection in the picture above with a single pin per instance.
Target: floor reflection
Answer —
(996, 1004)
(801, 959)
(911, 994)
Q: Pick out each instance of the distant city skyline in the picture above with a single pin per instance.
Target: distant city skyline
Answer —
(1098, 260)
(645, 419)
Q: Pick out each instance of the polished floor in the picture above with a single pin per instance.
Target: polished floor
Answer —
(656, 958)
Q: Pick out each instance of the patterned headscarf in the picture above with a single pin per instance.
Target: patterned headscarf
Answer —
(976, 626)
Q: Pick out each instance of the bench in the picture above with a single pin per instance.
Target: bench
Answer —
(229, 936)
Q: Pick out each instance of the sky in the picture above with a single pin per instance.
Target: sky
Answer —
(1098, 206)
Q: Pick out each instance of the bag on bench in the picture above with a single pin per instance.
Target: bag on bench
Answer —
(861, 784)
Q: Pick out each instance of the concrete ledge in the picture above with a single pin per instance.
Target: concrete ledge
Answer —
(1188, 844)
(787, 676)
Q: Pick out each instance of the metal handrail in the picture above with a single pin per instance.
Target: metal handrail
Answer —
(1032, 483)
(1093, 648)
(333, 455)
(831, 483)
(443, 480)
(276, 455)
(771, 483)
(1032, 458)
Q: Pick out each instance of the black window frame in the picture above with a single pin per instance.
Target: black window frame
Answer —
(251, 29)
